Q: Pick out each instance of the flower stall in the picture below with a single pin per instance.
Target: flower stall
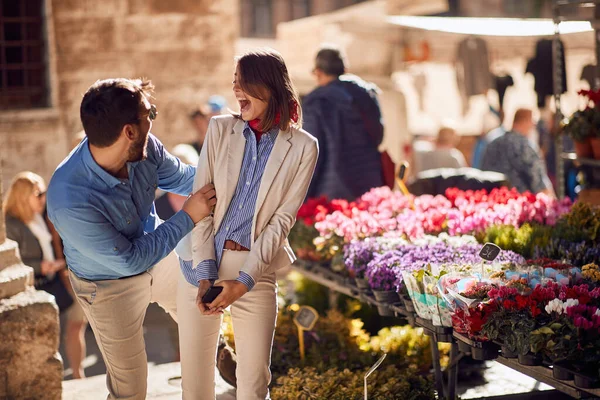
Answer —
(535, 307)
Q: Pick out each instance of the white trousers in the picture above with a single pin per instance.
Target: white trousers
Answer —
(253, 315)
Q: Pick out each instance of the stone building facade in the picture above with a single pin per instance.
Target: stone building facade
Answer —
(185, 46)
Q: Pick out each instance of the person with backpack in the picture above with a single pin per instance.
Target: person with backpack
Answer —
(343, 114)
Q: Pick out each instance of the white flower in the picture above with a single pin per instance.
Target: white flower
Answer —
(570, 303)
(556, 306)
(597, 312)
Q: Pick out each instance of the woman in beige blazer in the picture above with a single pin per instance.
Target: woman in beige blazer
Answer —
(261, 163)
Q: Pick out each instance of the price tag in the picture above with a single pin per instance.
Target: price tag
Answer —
(489, 252)
(306, 318)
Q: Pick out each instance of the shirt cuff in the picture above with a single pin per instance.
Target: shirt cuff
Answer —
(183, 220)
(206, 269)
(246, 280)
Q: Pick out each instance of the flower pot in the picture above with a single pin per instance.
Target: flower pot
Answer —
(363, 284)
(385, 311)
(583, 149)
(530, 359)
(487, 351)
(586, 382)
(507, 353)
(562, 373)
(387, 296)
(595, 144)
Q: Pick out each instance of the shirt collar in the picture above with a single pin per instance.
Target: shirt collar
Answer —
(270, 134)
(89, 161)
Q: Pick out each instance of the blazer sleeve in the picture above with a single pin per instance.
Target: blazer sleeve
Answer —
(273, 236)
(202, 239)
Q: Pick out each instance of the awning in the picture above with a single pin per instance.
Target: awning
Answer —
(490, 26)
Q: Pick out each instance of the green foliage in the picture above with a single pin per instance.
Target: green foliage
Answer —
(523, 240)
(557, 341)
(386, 383)
(582, 223)
(301, 239)
(583, 124)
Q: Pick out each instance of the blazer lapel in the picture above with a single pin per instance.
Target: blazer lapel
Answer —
(278, 154)
(235, 157)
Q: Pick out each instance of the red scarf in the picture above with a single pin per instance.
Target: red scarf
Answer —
(255, 123)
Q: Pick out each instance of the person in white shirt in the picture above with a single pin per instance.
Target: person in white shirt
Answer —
(444, 154)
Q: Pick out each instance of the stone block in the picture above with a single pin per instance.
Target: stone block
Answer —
(84, 35)
(198, 7)
(30, 367)
(65, 9)
(14, 280)
(9, 254)
(169, 32)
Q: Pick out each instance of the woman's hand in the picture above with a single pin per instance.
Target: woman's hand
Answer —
(203, 287)
(51, 267)
(232, 290)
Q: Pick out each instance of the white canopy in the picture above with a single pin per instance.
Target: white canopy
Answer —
(490, 26)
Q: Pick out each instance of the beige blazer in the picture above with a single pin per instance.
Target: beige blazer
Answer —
(282, 191)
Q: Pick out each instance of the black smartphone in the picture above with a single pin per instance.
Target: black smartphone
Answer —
(212, 294)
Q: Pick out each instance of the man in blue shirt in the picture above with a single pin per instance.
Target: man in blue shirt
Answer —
(101, 201)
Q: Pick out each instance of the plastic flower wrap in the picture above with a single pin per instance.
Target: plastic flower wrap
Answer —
(472, 307)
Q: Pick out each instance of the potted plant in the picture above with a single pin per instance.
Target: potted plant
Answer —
(584, 126)
(384, 279)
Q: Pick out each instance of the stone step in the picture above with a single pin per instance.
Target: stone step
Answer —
(9, 254)
(14, 280)
(30, 367)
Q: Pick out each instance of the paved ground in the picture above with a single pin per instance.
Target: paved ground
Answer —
(160, 333)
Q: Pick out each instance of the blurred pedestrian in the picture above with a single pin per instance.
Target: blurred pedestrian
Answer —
(200, 117)
(444, 154)
(343, 114)
(513, 155)
(169, 203)
(24, 206)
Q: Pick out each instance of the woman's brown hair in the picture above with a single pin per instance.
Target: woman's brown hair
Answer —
(21, 188)
(264, 69)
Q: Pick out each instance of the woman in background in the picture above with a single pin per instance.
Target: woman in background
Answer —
(24, 209)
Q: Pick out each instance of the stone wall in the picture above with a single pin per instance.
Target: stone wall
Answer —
(185, 46)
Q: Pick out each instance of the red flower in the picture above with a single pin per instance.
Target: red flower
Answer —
(535, 311)
(509, 304)
(521, 302)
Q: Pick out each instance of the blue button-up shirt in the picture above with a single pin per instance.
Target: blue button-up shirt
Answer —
(237, 223)
(108, 225)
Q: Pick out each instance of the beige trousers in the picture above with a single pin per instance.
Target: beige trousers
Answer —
(253, 316)
(116, 311)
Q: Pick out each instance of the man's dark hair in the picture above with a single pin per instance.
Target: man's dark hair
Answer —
(109, 105)
(331, 61)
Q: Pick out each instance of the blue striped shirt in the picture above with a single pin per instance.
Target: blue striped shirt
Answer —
(237, 223)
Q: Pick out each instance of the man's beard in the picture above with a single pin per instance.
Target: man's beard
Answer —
(138, 149)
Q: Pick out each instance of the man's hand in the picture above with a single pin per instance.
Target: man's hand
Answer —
(203, 287)
(232, 290)
(200, 204)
